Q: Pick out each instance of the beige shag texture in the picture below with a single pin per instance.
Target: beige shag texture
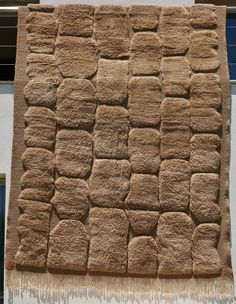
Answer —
(121, 167)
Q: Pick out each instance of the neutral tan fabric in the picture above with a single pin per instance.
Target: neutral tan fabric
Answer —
(121, 142)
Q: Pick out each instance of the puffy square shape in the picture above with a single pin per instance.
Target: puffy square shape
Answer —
(76, 104)
(109, 183)
(111, 132)
(112, 81)
(144, 101)
(73, 153)
(108, 245)
(76, 20)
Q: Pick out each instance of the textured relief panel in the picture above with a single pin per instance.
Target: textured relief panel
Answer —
(175, 113)
(174, 185)
(124, 165)
(144, 150)
(111, 132)
(174, 30)
(204, 197)
(203, 51)
(109, 182)
(76, 56)
(76, 103)
(204, 156)
(176, 74)
(143, 193)
(175, 133)
(144, 17)
(206, 260)
(108, 244)
(203, 16)
(40, 128)
(205, 120)
(42, 29)
(68, 246)
(41, 65)
(145, 54)
(142, 253)
(41, 92)
(33, 228)
(73, 153)
(71, 198)
(75, 20)
(144, 101)
(112, 81)
(174, 236)
(112, 31)
(205, 90)
(175, 143)
(143, 222)
(37, 183)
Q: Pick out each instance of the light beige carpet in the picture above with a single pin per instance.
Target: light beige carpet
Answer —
(121, 149)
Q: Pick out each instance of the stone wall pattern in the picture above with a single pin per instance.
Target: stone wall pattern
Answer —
(122, 137)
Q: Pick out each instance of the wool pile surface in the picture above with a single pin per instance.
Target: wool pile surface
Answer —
(121, 144)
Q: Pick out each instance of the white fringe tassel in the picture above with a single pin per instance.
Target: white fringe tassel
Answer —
(55, 288)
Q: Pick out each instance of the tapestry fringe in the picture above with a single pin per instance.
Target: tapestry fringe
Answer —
(57, 288)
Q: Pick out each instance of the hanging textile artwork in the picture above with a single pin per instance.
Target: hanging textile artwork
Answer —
(120, 153)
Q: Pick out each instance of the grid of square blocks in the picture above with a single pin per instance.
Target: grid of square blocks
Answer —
(122, 139)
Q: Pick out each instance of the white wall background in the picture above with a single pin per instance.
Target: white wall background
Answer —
(6, 132)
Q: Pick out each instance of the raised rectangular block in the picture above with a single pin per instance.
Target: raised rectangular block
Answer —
(73, 153)
(33, 230)
(175, 113)
(71, 198)
(111, 83)
(111, 132)
(37, 183)
(174, 185)
(205, 91)
(203, 16)
(41, 65)
(144, 101)
(204, 197)
(46, 8)
(203, 51)
(68, 246)
(42, 31)
(142, 253)
(176, 74)
(109, 183)
(111, 29)
(205, 120)
(76, 104)
(174, 30)
(204, 156)
(41, 92)
(76, 56)
(174, 237)
(143, 193)
(76, 19)
(206, 259)
(108, 251)
(145, 53)
(144, 17)
(40, 131)
(143, 222)
(175, 143)
(144, 150)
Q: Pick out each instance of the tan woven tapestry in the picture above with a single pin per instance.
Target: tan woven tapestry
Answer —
(119, 181)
